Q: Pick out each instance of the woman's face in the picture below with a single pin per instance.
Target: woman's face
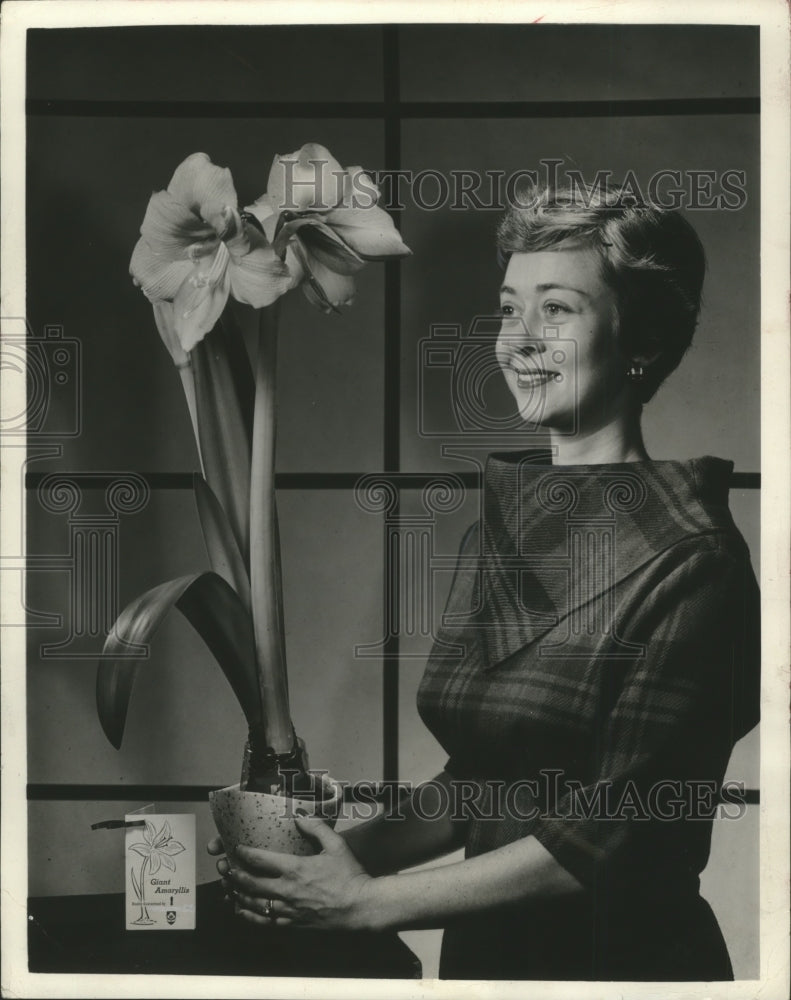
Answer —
(557, 344)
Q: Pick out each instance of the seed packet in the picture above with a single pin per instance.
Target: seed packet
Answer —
(160, 872)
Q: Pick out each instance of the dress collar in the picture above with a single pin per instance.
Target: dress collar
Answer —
(553, 538)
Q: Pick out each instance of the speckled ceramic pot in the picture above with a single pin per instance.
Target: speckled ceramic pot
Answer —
(267, 821)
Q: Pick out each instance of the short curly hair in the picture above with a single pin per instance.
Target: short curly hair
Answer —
(652, 258)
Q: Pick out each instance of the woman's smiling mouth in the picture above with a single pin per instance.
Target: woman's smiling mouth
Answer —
(529, 378)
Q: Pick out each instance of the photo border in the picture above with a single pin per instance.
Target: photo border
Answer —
(773, 18)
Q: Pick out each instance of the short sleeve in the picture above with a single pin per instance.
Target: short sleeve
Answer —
(663, 746)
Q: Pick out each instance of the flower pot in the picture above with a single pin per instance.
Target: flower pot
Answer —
(259, 819)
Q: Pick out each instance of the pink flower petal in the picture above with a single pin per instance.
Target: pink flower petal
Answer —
(259, 277)
(204, 188)
(170, 228)
(368, 231)
(294, 265)
(263, 210)
(359, 190)
(197, 307)
(242, 237)
(166, 324)
(158, 276)
(309, 179)
(322, 242)
(230, 226)
(324, 288)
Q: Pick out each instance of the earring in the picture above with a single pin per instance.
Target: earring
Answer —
(635, 372)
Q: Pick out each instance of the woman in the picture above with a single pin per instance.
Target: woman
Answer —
(602, 658)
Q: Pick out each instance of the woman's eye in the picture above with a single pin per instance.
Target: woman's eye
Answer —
(554, 308)
(506, 310)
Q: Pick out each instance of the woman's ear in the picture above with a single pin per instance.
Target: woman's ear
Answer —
(648, 353)
(646, 359)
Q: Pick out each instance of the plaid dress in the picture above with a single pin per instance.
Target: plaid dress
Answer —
(597, 661)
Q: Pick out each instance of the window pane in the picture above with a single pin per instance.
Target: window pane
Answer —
(735, 898)
(206, 63)
(550, 62)
(89, 181)
(709, 406)
(184, 724)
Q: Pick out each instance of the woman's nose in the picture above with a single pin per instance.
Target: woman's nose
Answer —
(532, 346)
(520, 337)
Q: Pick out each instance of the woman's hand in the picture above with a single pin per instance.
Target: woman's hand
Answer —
(331, 890)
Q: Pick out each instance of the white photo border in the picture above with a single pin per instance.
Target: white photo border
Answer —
(773, 18)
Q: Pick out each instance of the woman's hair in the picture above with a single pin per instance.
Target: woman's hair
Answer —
(651, 257)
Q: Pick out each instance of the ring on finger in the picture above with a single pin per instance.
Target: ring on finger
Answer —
(268, 909)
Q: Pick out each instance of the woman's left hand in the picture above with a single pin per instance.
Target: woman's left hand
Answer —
(330, 890)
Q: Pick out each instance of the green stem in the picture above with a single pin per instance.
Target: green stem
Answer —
(265, 582)
(224, 438)
(188, 383)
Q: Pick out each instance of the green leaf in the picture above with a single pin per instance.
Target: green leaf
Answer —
(221, 547)
(214, 610)
(265, 583)
(239, 365)
(224, 434)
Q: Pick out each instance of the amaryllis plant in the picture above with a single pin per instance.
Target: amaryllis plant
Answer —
(314, 227)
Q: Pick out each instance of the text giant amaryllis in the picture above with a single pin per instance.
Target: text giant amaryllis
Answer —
(197, 250)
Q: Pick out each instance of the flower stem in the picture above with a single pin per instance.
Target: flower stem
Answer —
(265, 581)
(144, 917)
(188, 384)
(224, 437)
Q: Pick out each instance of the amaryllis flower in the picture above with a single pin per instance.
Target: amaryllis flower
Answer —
(195, 251)
(158, 847)
(325, 222)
